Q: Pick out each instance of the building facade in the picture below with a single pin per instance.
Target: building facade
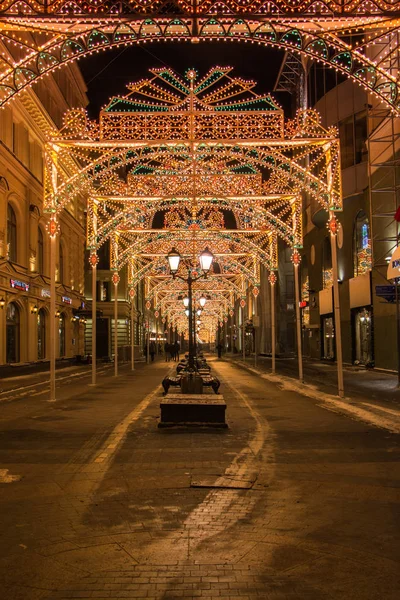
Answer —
(24, 241)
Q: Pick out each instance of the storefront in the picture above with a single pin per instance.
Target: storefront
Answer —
(362, 328)
(361, 319)
(12, 333)
(328, 338)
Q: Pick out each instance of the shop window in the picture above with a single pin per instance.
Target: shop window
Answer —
(362, 245)
(327, 272)
(11, 234)
(61, 265)
(40, 252)
(328, 332)
(104, 256)
(41, 331)
(61, 335)
(353, 135)
(363, 337)
(12, 333)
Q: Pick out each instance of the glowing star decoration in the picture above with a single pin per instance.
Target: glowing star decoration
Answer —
(156, 314)
(93, 259)
(256, 291)
(296, 258)
(272, 278)
(148, 304)
(242, 303)
(115, 278)
(333, 225)
(132, 292)
(231, 313)
(53, 227)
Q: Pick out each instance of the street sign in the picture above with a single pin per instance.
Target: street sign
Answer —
(394, 265)
(388, 292)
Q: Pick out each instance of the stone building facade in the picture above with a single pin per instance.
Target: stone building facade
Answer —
(24, 241)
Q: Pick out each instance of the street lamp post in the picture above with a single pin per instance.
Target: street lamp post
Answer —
(174, 259)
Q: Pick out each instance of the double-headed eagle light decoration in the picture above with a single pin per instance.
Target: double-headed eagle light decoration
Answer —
(192, 162)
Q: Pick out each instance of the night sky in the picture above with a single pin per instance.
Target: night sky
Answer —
(107, 73)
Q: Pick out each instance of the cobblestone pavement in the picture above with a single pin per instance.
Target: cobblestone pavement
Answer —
(292, 501)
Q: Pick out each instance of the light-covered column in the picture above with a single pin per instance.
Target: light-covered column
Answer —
(115, 280)
(273, 279)
(132, 296)
(296, 265)
(333, 228)
(93, 263)
(243, 305)
(53, 231)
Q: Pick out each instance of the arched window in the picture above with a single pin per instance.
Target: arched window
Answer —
(40, 252)
(41, 330)
(12, 333)
(11, 234)
(327, 263)
(362, 245)
(61, 265)
(61, 335)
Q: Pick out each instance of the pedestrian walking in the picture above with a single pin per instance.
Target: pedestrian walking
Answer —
(219, 350)
(177, 348)
(152, 350)
(166, 350)
(172, 351)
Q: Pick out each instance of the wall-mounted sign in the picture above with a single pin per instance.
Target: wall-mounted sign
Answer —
(393, 271)
(19, 285)
(388, 292)
(45, 293)
(66, 299)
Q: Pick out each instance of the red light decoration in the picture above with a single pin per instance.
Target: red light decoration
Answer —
(115, 278)
(296, 258)
(93, 259)
(272, 278)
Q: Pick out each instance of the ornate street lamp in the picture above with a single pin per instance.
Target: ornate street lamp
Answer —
(205, 258)
(202, 301)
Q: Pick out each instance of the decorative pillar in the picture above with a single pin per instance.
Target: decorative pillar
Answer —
(296, 264)
(94, 259)
(333, 226)
(256, 291)
(243, 304)
(272, 279)
(131, 296)
(115, 280)
(53, 231)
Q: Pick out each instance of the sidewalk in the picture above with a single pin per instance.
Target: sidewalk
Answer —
(358, 382)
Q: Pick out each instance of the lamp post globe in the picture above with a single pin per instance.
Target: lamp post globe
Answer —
(174, 258)
(202, 301)
(206, 258)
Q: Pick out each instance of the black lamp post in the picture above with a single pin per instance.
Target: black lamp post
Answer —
(174, 258)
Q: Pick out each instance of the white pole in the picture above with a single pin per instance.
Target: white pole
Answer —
(273, 333)
(243, 335)
(132, 337)
(53, 240)
(116, 329)
(298, 321)
(148, 338)
(255, 332)
(336, 301)
(157, 336)
(94, 316)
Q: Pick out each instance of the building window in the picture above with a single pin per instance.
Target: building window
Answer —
(41, 330)
(363, 336)
(61, 335)
(362, 245)
(40, 252)
(353, 135)
(12, 333)
(328, 332)
(327, 273)
(11, 234)
(61, 265)
(104, 256)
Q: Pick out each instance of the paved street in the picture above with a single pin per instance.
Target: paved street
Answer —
(293, 500)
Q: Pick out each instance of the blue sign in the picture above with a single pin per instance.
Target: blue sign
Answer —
(388, 292)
